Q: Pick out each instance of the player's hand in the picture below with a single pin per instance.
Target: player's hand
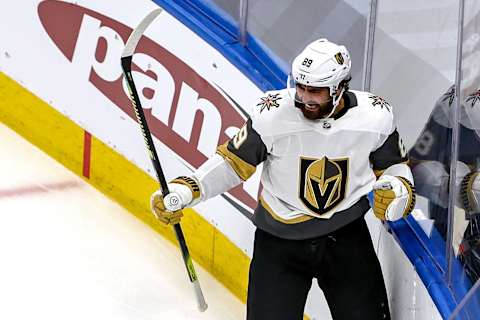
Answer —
(184, 191)
(393, 198)
(470, 192)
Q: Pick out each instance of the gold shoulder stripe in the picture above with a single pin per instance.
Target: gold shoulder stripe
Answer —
(241, 167)
(280, 219)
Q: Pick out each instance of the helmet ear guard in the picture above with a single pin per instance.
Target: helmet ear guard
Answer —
(343, 86)
(345, 83)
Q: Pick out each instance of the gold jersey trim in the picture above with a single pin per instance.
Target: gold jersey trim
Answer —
(243, 169)
(280, 219)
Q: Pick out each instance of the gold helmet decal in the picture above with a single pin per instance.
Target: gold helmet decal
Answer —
(322, 183)
(339, 58)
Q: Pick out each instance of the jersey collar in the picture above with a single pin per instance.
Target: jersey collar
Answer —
(350, 101)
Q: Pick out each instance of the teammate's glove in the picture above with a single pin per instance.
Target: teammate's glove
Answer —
(394, 198)
(184, 191)
(432, 181)
(470, 192)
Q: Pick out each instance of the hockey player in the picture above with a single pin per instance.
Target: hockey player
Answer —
(322, 147)
(430, 162)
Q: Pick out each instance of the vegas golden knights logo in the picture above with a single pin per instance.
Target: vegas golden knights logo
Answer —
(322, 183)
(339, 58)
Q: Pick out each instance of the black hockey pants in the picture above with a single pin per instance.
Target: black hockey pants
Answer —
(343, 262)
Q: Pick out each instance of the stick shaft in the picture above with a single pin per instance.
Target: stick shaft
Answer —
(126, 66)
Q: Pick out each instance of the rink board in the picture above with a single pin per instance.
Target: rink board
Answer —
(65, 141)
(80, 113)
(62, 89)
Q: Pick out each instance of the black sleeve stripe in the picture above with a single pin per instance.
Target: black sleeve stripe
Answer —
(388, 154)
(252, 150)
(244, 153)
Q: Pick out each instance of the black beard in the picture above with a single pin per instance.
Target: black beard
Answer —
(324, 110)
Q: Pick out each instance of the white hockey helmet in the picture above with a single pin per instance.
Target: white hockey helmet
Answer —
(322, 64)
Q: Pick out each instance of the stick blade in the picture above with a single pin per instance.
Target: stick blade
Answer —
(201, 304)
(137, 33)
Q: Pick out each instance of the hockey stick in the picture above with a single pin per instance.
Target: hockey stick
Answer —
(126, 60)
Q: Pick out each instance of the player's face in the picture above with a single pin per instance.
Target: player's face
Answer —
(318, 102)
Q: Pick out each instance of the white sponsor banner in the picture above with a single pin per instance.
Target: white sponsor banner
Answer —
(68, 54)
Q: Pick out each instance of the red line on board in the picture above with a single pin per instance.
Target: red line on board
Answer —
(87, 150)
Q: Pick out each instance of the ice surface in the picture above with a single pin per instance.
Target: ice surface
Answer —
(68, 252)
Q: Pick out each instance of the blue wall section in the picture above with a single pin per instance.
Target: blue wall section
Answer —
(268, 72)
(220, 31)
(427, 255)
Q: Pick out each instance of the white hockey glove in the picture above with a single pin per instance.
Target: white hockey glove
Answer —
(184, 191)
(470, 192)
(394, 198)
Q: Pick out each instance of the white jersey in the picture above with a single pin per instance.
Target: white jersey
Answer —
(316, 174)
(316, 169)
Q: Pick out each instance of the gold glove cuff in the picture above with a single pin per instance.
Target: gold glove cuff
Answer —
(190, 183)
(466, 191)
(412, 197)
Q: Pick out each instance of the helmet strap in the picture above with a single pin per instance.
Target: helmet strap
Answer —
(335, 102)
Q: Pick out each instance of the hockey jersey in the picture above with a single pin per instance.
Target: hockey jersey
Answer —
(434, 145)
(316, 174)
